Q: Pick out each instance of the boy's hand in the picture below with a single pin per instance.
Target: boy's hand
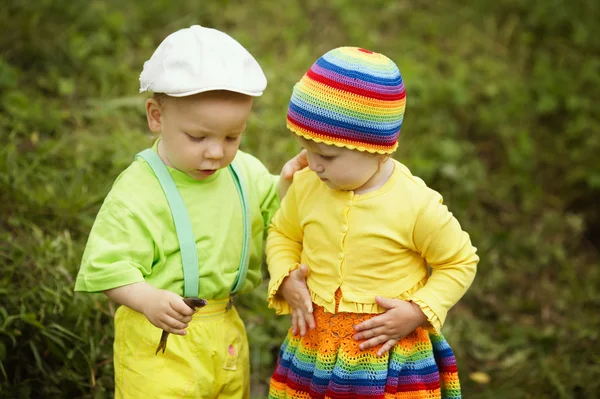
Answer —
(400, 319)
(167, 311)
(295, 291)
(292, 166)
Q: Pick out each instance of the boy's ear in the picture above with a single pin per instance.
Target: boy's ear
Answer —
(153, 114)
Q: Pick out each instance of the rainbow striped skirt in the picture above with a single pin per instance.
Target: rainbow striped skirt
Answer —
(327, 364)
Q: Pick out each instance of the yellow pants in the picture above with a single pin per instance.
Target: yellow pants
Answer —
(211, 361)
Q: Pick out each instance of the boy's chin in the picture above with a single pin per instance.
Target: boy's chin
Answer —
(200, 174)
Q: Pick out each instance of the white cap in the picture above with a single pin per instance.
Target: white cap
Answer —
(198, 59)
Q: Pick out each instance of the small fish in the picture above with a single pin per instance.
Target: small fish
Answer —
(193, 303)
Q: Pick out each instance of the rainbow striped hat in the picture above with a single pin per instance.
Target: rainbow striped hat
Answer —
(350, 97)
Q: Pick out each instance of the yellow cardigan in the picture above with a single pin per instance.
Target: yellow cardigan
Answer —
(377, 243)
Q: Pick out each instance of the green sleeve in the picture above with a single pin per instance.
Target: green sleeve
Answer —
(270, 198)
(264, 185)
(119, 251)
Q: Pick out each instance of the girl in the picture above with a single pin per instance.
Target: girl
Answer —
(362, 230)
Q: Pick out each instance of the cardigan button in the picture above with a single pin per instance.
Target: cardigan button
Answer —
(344, 229)
(341, 255)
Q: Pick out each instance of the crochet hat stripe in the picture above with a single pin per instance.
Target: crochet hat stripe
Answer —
(323, 128)
(371, 63)
(356, 90)
(340, 120)
(350, 98)
(302, 102)
(318, 137)
(382, 80)
(353, 80)
(337, 103)
(321, 92)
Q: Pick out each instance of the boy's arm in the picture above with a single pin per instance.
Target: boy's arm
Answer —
(119, 250)
(164, 309)
(272, 188)
(118, 254)
(292, 166)
(439, 238)
(135, 296)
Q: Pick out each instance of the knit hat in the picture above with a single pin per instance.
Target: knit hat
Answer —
(198, 59)
(350, 97)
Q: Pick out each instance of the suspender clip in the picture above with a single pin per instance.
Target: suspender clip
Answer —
(230, 303)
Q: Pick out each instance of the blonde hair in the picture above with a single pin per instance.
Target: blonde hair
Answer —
(160, 97)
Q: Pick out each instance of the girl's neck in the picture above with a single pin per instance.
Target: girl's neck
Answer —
(379, 178)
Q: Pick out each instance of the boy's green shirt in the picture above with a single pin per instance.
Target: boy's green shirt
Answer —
(133, 238)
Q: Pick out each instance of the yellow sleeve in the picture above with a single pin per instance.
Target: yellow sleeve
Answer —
(284, 248)
(438, 237)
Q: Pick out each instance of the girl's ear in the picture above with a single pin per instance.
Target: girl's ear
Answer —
(383, 159)
(154, 112)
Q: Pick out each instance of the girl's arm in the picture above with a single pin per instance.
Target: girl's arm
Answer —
(295, 292)
(287, 292)
(400, 319)
(438, 237)
(440, 240)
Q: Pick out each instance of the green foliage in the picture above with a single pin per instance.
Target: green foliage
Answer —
(502, 119)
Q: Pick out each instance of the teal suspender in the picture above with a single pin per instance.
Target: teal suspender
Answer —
(245, 258)
(183, 226)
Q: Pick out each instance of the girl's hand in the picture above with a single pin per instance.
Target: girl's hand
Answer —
(295, 292)
(167, 311)
(400, 319)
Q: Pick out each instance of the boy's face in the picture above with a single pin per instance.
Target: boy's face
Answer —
(201, 133)
(341, 168)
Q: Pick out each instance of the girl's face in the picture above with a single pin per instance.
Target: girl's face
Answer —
(201, 133)
(347, 170)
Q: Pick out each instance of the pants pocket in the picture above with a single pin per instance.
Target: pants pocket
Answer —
(232, 349)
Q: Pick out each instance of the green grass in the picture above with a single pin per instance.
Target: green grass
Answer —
(502, 119)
